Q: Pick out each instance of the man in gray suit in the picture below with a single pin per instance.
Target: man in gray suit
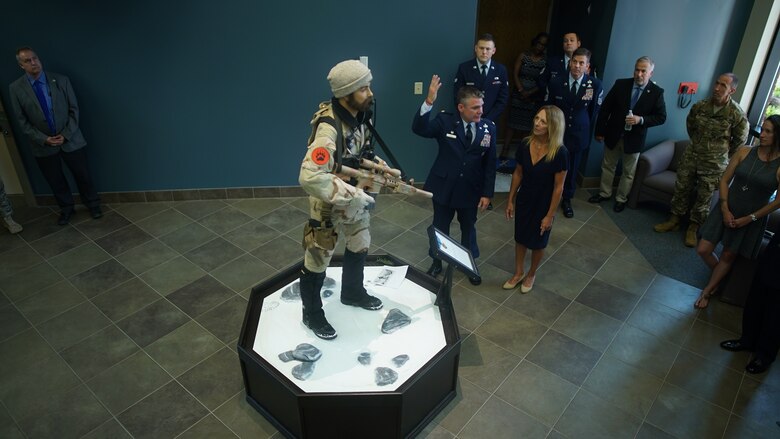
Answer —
(46, 108)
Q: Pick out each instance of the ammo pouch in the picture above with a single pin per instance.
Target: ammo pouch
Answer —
(317, 235)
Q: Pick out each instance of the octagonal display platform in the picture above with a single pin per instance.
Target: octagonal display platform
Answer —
(341, 397)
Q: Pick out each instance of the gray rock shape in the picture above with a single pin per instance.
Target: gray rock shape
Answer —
(364, 358)
(327, 293)
(400, 360)
(329, 282)
(395, 320)
(292, 293)
(303, 371)
(384, 376)
(271, 305)
(306, 352)
(286, 356)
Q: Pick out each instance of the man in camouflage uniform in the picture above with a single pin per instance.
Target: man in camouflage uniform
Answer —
(335, 205)
(717, 127)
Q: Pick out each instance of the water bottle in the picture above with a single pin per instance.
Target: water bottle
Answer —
(628, 127)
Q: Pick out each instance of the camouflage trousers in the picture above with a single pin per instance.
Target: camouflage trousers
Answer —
(5, 206)
(319, 240)
(696, 181)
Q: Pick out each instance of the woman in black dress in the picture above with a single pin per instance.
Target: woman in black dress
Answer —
(537, 182)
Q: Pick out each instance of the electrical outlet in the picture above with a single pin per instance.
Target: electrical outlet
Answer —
(418, 88)
(364, 60)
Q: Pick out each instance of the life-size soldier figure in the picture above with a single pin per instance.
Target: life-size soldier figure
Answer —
(340, 134)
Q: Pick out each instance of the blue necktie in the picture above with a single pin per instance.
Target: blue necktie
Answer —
(635, 97)
(469, 135)
(40, 93)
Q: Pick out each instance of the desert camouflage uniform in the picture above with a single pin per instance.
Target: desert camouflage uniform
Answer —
(331, 199)
(714, 138)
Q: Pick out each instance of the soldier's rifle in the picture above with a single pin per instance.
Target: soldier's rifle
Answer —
(372, 176)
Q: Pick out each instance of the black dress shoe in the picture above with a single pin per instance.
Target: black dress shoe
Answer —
(475, 280)
(64, 218)
(568, 212)
(95, 212)
(734, 345)
(435, 269)
(758, 365)
(619, 206)
(597, 199)
(490, 206)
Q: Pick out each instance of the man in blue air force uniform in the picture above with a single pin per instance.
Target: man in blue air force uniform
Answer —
(463, 175)
(487, 75)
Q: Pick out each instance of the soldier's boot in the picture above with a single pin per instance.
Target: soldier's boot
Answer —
(690, 235)
(670, 225)
(352, 291)
(313, 315)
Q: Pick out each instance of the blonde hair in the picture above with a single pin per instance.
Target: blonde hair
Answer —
(556, 124)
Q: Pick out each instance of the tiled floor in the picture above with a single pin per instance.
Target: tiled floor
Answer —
(127, 326)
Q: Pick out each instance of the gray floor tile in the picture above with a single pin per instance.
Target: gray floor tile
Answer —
(128, 382)
(213, 254)
(214, 380)
(758, 403)
(40, 227)
(610, 300)
(740, 428)
(146, 256)
(588, 416)
(101, 278)
(99, 228)
(628, 252)
(25, 283)
(12, 322)
(484, 363)
(225, 320)
(466, 403)
(18, 260)
(50, 302)
(225, 220)
(564, 357)
(183, 348)
(200, 296)
(258, 207)
(10, 242)
(673, 293)
(198, 209)
(649, 431)
(723, 315)
(626, 275)
(409, 247)
(492, 280)
(280, 252)
(579, 257)
(472, 309)
(602, 221)
(497, 419)
(8, 428)
(109, 429)
(686, 416)
(165, 413)
(98, 352)
(704, 339)
(502, 327)
(79, 259)
(152, 322)
(241, 418)
(244, 272)
(710, 381)
(172, 275)
(622, 385)
(61, 241)
(125, 299)
(164, 222)
(284, 218)
(73, 325)
(587, 325)
(384, 231)
(540, 304)
(662, 321)
(251, 235)
(597, 239)
(561, 279)
(537, 392)
(208, 427)
(188, 237)
(404, 214)
(71, 415)
(496, 225)
(138, 211)
(123, 240)
(503, 258)
(645, 351)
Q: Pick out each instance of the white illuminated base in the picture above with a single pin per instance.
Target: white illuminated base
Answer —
(280, 329)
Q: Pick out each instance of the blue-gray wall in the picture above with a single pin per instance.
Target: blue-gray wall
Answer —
(689, 40)
(202, 94)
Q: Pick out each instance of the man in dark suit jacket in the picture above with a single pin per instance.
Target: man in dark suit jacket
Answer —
(486, 75)
(45, 107)
(624, 136)
(463, 175)
(579, 96)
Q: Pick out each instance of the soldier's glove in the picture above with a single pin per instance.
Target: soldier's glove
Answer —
(360, 205)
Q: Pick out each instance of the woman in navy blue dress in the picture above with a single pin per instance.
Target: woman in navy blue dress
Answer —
(537, 182)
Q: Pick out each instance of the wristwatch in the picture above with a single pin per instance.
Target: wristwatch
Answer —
(753, 217)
